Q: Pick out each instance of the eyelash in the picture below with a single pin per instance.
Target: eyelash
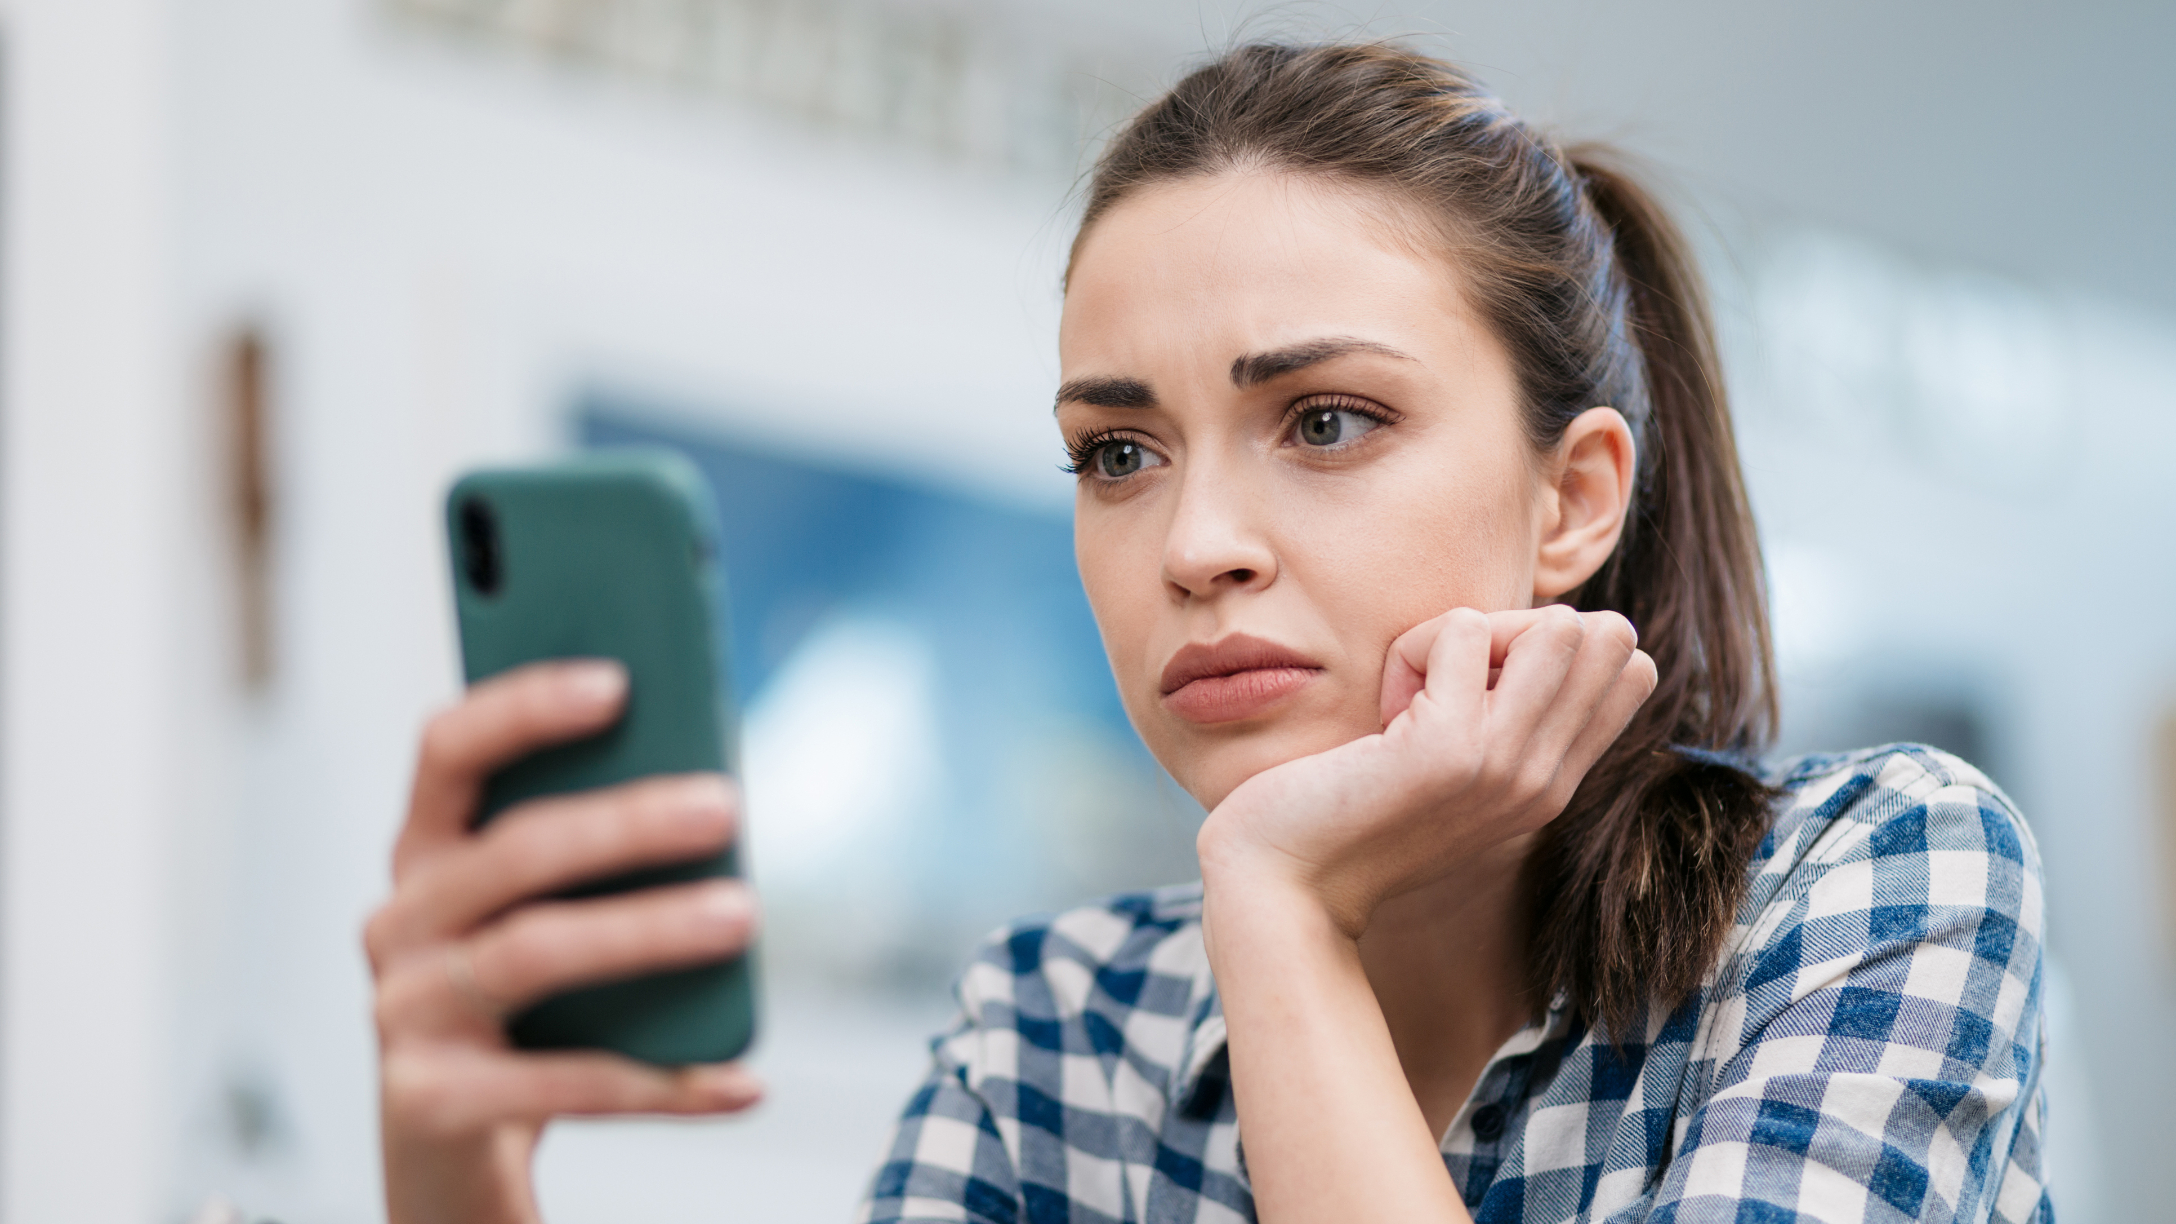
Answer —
(1081, 451)
(1338, 402)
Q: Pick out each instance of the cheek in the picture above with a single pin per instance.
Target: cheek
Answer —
(1120, 569)
(1413, 542)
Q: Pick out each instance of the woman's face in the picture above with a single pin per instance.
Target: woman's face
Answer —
(1297, 441)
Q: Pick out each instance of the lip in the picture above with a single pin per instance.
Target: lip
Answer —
(1235, 678)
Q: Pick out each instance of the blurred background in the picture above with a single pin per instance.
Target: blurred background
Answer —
(273, 271)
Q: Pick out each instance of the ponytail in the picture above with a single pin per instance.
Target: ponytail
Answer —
(1593, 293)
(1635, 886)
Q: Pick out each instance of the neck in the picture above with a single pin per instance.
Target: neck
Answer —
(1448, 965)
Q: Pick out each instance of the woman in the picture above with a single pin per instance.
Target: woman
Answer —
(1393, 423)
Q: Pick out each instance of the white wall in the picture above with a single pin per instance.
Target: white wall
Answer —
(94, 469)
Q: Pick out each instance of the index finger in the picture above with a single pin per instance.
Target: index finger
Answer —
(1505, 629)
(502, 718)
(1406, 664)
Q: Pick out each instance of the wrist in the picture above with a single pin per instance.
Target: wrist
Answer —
(1262, 900)
(1271, 886)
(474, 1178)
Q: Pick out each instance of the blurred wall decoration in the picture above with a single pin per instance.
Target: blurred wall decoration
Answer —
(931, 737)
(816, 244)
(246, 387)
(2165, 775)
(982, 84)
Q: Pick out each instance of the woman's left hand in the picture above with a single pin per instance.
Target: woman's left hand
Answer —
(1490, 721)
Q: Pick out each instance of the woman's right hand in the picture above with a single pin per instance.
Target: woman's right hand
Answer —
(1491, 720)
(473, 933)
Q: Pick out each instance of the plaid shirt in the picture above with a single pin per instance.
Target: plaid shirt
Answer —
(1867, 1048)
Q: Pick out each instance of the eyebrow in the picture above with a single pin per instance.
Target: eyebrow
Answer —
(1254, 369)
(1107, 393)
(1249, 370)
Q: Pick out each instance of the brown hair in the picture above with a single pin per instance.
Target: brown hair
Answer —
(1591, 288)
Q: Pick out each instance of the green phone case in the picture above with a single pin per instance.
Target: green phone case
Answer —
(610, 556)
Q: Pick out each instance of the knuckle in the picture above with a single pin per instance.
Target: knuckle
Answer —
(532, 846)
(563, 835)
(1612, 627)
(1459, 762)
(396, 1003)
(1556, 794)
(523, 950)
(637, 1092)
(421, 1097)
(407, 1083)
(1561, 796)
(1472, 766)
(443, 735)
(1494, 772)
(1535, 777)
(385, 1014)
(380, 936)
(1564, 623)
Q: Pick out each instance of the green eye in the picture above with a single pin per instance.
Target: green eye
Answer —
(1330, 426)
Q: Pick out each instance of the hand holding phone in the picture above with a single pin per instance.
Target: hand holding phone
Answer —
(487, 921)
(610, 556)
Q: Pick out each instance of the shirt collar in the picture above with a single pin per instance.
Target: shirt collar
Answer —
(1203, 1072)
(1198, 1081)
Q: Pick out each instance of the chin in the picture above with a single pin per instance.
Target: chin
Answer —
(1211, 766)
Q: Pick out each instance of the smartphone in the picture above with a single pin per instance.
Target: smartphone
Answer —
(612, 555)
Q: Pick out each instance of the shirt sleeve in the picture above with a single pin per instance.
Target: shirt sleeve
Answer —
(1881, 1059)
(946, 1160)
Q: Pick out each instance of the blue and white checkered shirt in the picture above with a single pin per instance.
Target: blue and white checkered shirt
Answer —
(1867, 1048)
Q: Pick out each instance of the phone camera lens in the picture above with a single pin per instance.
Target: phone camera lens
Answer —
(480, 559)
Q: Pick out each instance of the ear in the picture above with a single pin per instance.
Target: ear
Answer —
(1587, 495)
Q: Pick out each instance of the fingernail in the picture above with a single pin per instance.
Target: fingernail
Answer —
(700, 806)
(594, 681)
(729, 1083)
(725, 902)
(705, 793)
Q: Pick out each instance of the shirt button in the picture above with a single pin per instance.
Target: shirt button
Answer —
(1488, 1123)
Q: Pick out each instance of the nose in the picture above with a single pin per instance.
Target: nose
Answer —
(1217, 540)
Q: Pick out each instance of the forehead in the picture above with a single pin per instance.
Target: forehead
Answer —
(1237, 262)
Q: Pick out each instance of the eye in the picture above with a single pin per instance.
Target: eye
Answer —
(1121, 457)
(1326, 427)
(1109, 457)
